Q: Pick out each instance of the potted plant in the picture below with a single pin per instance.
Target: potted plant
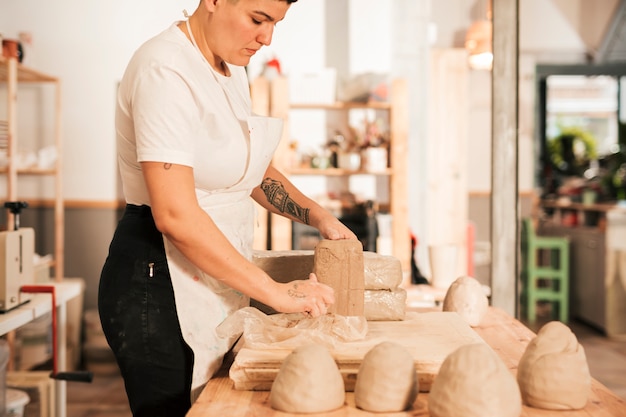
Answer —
(571, 151)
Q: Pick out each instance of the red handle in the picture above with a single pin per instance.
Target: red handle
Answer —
(47, 289)
(67, 376)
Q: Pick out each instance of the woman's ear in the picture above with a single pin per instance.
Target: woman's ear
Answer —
(211, 4)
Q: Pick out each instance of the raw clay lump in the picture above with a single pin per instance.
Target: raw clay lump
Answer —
(387, 379)
(553, 373)
(308, 381)
(474, 382)
(466, 297)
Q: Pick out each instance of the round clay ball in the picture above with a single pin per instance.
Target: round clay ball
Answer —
(553, 373)
(474, 382)
(308, 381)
(466, 297)
(387, 379)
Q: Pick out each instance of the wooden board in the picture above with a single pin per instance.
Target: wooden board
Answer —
(429, 337)
(507, 337)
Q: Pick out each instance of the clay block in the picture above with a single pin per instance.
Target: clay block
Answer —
(381, 272)
(382, 276)
(285, 265)
(339, 264)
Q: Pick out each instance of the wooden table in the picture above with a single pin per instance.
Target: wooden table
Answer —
(506, 335)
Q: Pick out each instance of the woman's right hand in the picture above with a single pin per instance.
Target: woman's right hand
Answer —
(309, 296)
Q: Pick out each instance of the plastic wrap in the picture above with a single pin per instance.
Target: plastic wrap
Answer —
(283, 330)
(382, 272)
(385, 304)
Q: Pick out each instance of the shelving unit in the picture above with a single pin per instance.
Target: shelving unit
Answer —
(12, 76)
(578, 214)
(272, 98)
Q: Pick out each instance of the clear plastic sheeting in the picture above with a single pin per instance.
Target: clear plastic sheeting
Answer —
(385, 305)
(382, 272)
(287, 331)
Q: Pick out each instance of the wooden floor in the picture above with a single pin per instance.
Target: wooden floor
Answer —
(105, 397)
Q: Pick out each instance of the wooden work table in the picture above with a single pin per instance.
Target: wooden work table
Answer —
(506, 335)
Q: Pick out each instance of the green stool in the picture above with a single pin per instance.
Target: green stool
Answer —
(544, 272)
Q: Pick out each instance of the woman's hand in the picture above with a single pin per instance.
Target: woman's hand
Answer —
(309, 297)
(331, 228)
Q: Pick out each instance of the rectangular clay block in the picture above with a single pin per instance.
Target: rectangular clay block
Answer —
(382, 272)
(284, 265)
(339, 264)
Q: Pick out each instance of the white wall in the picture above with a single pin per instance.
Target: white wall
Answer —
(87, 44)
(298, 41)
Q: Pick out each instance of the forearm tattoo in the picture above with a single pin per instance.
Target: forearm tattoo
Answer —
(279, 198)
(295, 293)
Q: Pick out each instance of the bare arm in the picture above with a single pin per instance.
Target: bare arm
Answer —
(277, 194)
(179, 217)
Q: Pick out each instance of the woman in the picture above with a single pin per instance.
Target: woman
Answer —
(191, 155)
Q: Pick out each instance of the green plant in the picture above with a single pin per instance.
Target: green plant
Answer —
(571, 151)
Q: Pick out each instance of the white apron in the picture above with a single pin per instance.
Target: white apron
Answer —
(203, 302)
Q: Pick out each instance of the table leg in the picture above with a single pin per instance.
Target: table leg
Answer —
(60, 385)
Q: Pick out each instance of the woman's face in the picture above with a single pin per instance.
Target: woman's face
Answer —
(240, 28)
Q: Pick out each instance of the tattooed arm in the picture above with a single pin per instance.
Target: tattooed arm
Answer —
(179, 217)
(277, 194)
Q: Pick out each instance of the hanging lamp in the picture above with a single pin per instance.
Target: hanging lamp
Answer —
(478, 42)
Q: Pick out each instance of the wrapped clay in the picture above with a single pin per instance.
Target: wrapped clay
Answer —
(466, 297)
(387, 379)
(474, 382)
(308, 381)
(385, 305)
(382, 272)
(553, 373)
(382, 275)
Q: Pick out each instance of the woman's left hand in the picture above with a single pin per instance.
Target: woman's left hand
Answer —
(331, 228)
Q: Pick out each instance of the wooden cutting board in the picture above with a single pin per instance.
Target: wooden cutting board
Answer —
(429, 337)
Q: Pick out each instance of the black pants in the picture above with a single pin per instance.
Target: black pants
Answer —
(139, 319)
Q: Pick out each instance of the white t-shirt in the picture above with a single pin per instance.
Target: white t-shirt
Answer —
(173, 107)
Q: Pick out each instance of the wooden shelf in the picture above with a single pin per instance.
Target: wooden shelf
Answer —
(272, 99)
(31, 171)
(24, 74)
(14, 74)
(335, 172)
(342, 105)
(577, 215)
(603, 207)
